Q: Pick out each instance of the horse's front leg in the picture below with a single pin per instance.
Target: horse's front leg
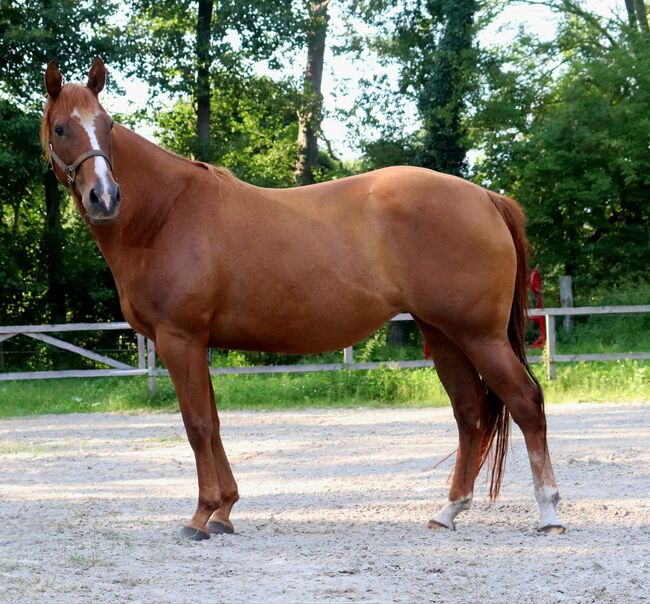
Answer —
(186, 361)
(220, 521)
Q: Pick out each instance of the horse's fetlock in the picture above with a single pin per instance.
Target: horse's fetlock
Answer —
(210, 502)
(230, 497)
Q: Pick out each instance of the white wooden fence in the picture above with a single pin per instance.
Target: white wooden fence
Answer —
(550, 354)
(146, 364)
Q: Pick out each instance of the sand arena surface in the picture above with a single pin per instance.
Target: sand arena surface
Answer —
(334, 506)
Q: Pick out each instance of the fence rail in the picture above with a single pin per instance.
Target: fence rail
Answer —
(146, 360)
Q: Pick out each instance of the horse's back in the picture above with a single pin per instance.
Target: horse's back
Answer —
(329, 263)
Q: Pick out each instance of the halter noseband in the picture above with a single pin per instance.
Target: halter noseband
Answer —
(70, 170)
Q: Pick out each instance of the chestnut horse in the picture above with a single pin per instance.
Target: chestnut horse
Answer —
(202, 259)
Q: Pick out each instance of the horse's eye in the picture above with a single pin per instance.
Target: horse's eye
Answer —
(58, 130)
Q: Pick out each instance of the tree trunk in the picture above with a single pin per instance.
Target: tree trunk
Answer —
(52, 246)
(310, 115)
(442, 100)
(642, 16)
(203, 31)
(631, 13)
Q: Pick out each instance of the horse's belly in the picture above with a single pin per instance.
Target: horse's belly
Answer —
(300, 334)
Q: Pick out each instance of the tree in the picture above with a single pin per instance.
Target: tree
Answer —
(432, 43)
(32, 33)
(253, 129)
(203, 27)
(188, 47)
(311, 111)
(569, 143)
(444, 87)
(20, 223)
(637, 15)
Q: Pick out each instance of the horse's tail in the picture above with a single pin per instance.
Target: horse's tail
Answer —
(497, 426)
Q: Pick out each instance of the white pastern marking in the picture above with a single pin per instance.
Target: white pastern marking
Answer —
(448, 513)
(547, 498)
(87, 121)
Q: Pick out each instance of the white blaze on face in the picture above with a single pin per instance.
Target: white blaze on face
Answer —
(87, 121)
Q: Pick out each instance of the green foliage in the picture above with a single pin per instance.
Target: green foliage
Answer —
(33, 32)
(20, 170)
(39, 254)
(569, 147)
(389, 151)
(253, 129)
(432, 44)
(241, 33)
(609, 333)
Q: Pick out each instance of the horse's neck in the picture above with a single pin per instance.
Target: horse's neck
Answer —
(150, 180)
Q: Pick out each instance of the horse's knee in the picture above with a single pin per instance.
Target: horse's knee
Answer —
(230, 496)
(210, 501)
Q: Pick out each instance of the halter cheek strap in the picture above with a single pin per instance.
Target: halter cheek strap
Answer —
(70, 170)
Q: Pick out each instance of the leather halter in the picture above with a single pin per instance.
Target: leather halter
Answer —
(70, 170)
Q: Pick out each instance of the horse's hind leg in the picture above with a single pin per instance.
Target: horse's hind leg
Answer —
(467, 394)
(504, 374)
(220, 520)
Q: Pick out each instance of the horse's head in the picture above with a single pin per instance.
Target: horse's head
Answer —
(76, 136)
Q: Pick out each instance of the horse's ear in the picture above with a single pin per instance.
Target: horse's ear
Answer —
(53, 80)
(97, 76)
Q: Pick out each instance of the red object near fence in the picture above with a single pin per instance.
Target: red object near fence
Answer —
(538, 302)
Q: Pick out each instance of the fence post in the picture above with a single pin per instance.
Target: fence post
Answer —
(550, 346)
(142, 359)
(566, 299)
(151, 366)
(348, 355)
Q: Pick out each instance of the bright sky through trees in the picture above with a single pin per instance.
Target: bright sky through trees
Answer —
(342, 72)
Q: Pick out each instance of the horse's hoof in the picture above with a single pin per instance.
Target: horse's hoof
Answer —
(194, 534)
(220, 528)
(552, 529)
(434, 525)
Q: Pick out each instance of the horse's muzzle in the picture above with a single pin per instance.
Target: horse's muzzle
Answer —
(103, 203)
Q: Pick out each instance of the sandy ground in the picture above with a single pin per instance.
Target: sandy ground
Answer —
(334, 508)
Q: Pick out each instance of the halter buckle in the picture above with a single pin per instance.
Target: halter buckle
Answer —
(70, 174)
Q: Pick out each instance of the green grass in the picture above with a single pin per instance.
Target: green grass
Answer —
(615, 381)
(577, 382)
(611, 381)
(598, 334)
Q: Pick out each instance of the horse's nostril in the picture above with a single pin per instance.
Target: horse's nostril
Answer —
(118, 196)
(93, 197)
